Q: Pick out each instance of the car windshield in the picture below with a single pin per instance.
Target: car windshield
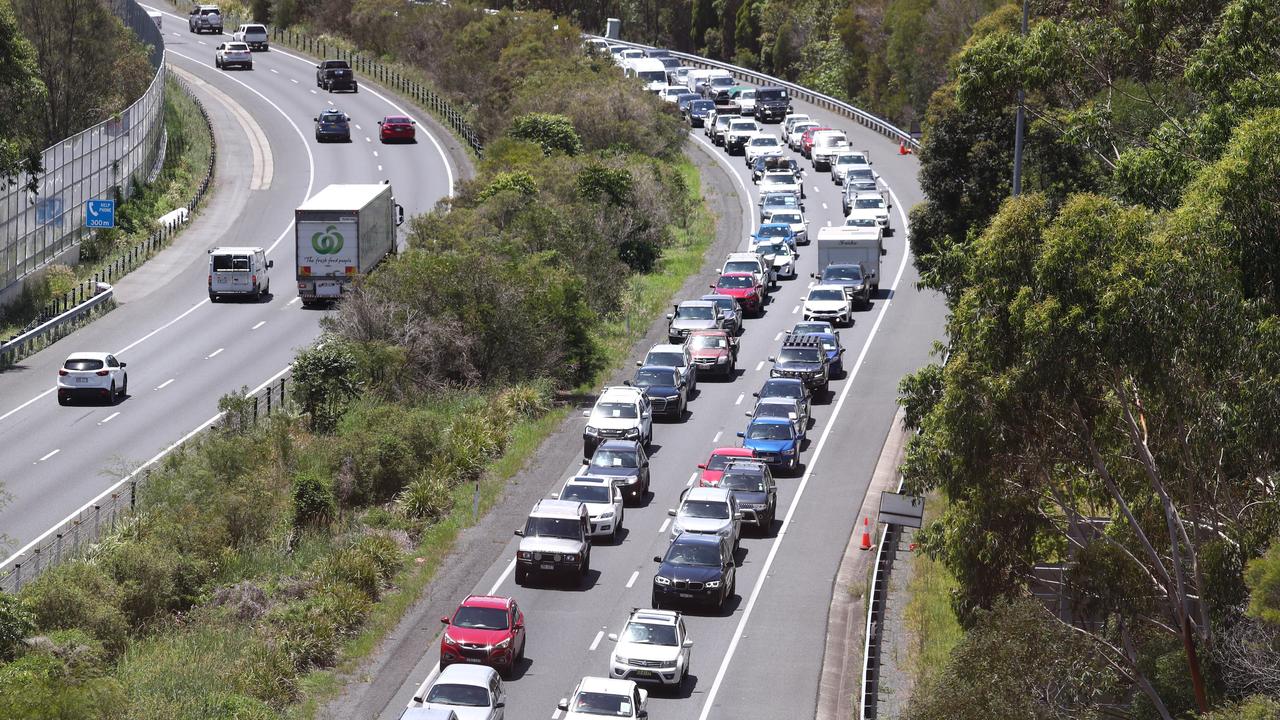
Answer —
(481, 618)
(718, 461)
(724, 304)
(734, 282)
(803, 328)
(552, 527)
(782, 389)
(769, 431)
(230, 263)
(802, 128)
(843, 273)
(740, 126)
(395, 120)
(646, 634)
(849, 160)
(722, 82)
(332, 117)
(861, 174)
(83, 365)
(456, 694)
(693, 554)
(864, 222)
(771, 94)
(826, 294)
(254, 29)
(648, 377)
(772, 410)
(709, 342)
(774, 230)
(696, 312)
(587, 493)
(702, 104)
(773, 248)
(793, 354)
(665, 359)
(652, 75)
(742, 481)
(723, 119)
(615, 410)
(705, 509)
(868, 203)
(778, 179)
(613, 459)
(764, 140)
(593, 703)
(829, 345)
(789, 218)
(241, 47)
(787, 200)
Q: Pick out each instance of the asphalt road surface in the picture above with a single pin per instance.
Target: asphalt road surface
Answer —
(183, 353)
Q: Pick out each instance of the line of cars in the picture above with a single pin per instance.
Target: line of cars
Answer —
(736, 488)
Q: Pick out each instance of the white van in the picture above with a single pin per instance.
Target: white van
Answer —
(650, 70)
(238, 271)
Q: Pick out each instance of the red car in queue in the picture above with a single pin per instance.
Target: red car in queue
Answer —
(806, 140)
(396, 128)
(714, 351)
(744, 288)
(484, 630)
(713, 468)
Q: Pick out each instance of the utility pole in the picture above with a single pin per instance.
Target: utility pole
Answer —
(1020, 123)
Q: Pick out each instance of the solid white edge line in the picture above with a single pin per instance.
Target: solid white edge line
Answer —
(746, 193)
(214, 354)
(716, 439)
(804, 481)
(156, 458)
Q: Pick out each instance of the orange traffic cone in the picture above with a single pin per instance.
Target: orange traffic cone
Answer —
(866, 533)
(902, 148)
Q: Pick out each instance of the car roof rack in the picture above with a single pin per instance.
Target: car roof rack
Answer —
(802, 340)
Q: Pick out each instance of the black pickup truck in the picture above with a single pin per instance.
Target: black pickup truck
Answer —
(335, 75)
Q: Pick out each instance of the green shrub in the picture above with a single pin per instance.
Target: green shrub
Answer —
(16, 623)
(59, 279)
(144, 574)
(352, 566)
(78, 595)
(324, 383)
(427, 498)
(307, 639)
(554, 133)
(383, 551)
(518, 183)
(45, 686)
(313, 500)
(384, 445)
(341, 605)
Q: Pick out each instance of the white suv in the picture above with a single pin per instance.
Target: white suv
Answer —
(233, 54)
(596, 696)
(873, 202)
(603, 500)
(96, 375)
(708, 510)
(652, 647)
(622, 413)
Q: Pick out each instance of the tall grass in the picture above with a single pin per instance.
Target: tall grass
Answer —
(930, 622)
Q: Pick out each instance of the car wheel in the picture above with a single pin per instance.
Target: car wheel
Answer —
(124, 390)
(616, 538)
(63, 401)
(586, 567)
(654, 602)
(113, 397)
(520, 654)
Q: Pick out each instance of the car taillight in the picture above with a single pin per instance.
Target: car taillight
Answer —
(210, 279)
(351, 269)
(304, 270)
(101, 373)
(253, 279)
(62, 373)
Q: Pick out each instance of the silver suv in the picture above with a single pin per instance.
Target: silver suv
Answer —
(205, 18)
(555, 540)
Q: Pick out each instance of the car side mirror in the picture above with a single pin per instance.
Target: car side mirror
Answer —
(772, 359)
(613, 637)
(737, 515)
(687, 643)
(748, 414)
(671, 512)
(755, 394)
(519, 533)
(702, 466)
(585, 461)
(555, 496)
(379, 122)
(643, 713)
(317, 67)
(315, 119)
(639, 363)
(586, 413)
(671, 316)
(499, 704)
(657, 558)
(741, 434)
(271, 264)
(563, 704)
(124, 364)
(627, 383)
(444, 619)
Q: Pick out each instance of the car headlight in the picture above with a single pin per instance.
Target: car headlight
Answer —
(713, 584)
(502, 644)
(789, 451)
(449, 638)
(632, 432)
(725, 531)
(591, 430)
(659, 580)
(722, 360)
(671, 397)
(859, 287)
(526, 555)
(621, 660)
(606, 515)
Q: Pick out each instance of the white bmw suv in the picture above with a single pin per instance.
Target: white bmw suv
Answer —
(652, 647)
(95, 375)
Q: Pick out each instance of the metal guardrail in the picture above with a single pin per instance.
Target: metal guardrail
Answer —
(382, 73)
(79, 531)
(876, 606)
(100, 162)
(858, 115)
(64, 312)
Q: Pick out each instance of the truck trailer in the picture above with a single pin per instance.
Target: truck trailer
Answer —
(343, 232)
(845, 245)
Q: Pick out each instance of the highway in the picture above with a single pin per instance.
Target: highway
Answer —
(762, 657)
(183, 353)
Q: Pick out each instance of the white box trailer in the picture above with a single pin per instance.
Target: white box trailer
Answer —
(343, 232)
(842, 244)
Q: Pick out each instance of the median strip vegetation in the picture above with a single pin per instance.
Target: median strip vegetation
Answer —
(262, 558)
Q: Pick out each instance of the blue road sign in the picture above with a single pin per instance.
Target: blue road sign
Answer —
(100, 213)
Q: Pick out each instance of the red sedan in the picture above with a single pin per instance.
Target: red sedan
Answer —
(744, 288)
(485, 630)
(396, 128)
(806, 140)
(713, 468)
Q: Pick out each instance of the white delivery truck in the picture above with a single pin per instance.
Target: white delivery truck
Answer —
(845, 245)
(342, 232)
(649, 70)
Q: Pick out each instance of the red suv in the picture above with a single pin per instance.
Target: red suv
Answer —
(396, 128)
(713, 468)
(806, 140)
(485, 630)
(714, 351)
(743, 288)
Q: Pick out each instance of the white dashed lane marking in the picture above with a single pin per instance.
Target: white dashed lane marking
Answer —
(47, 456)
(108, 418)
(165, 384)
(632, 580)
(214, 353)
(596, 643)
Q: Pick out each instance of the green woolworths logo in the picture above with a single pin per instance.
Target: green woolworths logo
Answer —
(327, 242)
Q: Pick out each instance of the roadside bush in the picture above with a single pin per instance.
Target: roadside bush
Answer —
(384, 446)
(78, 595)
(16, 623)
(324, 383)
(553, 133)
(352, 566)
(529, 400)
(306, 638)
(144, 574)
(428, 497)
(313, 501)
(48, 684)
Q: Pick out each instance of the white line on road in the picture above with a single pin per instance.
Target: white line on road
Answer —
(739, 400)
(778, 337)
(824, 206)
(375, 153)
(313, 92)
(366, 139)
(804, 483)
(260, 148)
(329, 101)
(379, 168)
(795, 310)
(596, 643)
(359, 128)
(275, 71)
(716, 439)
(759, 365)
(816, 188)
(556, 715)
(692, 479)
(47, 456)
(665, 523)
(260, 324)
(632, 580)
(165, 384)
(214, 353)
(828, 223)
(295, 82)
(297, 299)
(108, 418)
(202, 42)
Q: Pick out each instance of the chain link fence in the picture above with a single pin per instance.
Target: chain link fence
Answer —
(76, 535)
(102, 162)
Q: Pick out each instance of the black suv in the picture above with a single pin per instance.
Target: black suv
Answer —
(336, 75)
(697, 569)
(802, 357)
(772, 103)
(626, 462)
